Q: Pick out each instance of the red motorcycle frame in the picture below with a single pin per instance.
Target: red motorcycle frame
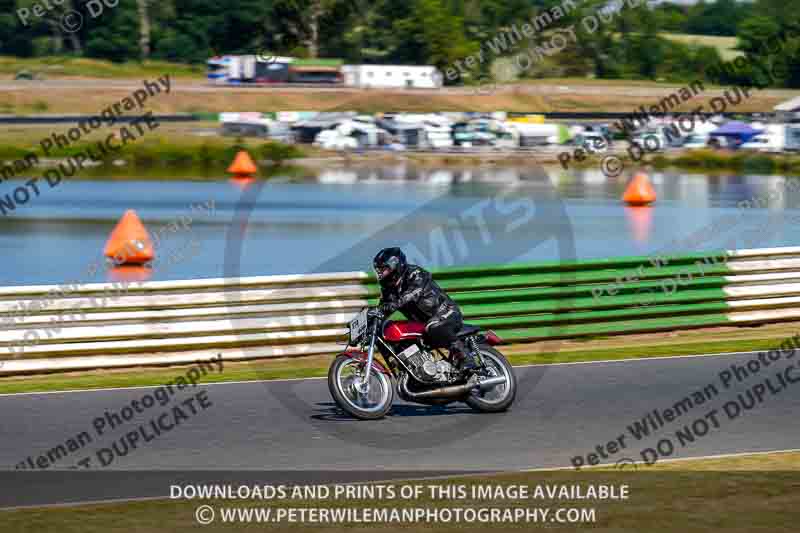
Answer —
(418, 372)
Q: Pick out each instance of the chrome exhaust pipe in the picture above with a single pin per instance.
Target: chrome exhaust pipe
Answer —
(452, 391)
(491, 382)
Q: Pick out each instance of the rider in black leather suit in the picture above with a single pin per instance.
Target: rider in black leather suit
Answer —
(411, 290)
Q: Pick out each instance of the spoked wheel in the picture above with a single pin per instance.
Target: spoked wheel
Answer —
(495, 398)
(346, 384)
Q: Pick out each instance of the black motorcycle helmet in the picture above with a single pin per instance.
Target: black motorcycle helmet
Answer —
(390, 264)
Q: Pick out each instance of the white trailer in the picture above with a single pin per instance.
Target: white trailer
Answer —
(532, 134)
(392, 76)
(792, 137)
(247, 68)
(772, 139)
(438, 128)
(254, 124)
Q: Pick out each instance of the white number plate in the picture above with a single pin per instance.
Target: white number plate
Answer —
(358, 326)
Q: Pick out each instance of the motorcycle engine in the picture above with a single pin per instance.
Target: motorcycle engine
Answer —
(423, 365)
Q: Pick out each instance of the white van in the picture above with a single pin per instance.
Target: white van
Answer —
(764, 143)
(773, 139)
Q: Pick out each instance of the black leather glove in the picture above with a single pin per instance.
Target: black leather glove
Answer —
(376, 312)
(388, 308)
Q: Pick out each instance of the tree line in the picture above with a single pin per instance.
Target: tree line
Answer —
(438, 32)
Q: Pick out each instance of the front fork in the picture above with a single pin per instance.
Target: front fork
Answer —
(363, 387)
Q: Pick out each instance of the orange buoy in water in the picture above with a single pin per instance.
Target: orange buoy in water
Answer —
(130, 273)
(242, 166)
(639, 191)
(640, 222)
(129, 242)
(242, 182)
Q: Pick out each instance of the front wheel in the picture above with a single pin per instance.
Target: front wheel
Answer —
(346, 385)
(498, 397)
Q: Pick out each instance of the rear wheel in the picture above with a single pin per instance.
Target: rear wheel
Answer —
(496, 398)
(346, 385)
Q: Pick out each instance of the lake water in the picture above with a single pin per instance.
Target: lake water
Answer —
(336, 219)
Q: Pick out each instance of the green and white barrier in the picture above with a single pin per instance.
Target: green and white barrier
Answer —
(175, 322)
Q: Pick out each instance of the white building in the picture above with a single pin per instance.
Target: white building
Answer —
(789, 106)
(392, 76)
(788, 111)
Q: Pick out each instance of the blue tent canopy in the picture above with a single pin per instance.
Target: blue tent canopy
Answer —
(738, 130)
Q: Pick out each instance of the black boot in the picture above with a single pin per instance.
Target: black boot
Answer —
(463, 358)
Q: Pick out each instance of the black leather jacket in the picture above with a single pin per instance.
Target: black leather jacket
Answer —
(417, 296)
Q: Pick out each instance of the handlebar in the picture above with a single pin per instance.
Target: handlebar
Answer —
(375, 312)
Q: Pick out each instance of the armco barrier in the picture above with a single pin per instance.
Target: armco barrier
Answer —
(174, 322)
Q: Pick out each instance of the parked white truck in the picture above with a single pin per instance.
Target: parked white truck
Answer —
(792, 136)
(772, 139)
(776, 138)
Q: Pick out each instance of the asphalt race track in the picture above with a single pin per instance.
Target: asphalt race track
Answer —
(562, 411)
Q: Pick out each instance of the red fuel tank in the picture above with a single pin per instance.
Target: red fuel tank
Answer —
(403, 330)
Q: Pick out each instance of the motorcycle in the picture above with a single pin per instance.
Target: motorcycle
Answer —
(364, 387)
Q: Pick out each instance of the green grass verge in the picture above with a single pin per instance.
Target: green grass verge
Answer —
(707, 161)
(155, 154)
(70, 66)
(743, 161)
(160, 152)
(318, 366)
(726, 46)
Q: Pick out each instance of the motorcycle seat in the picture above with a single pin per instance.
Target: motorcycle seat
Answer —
(467, 330)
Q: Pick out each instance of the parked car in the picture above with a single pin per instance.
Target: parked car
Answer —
(592, 142)
(696, 141)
